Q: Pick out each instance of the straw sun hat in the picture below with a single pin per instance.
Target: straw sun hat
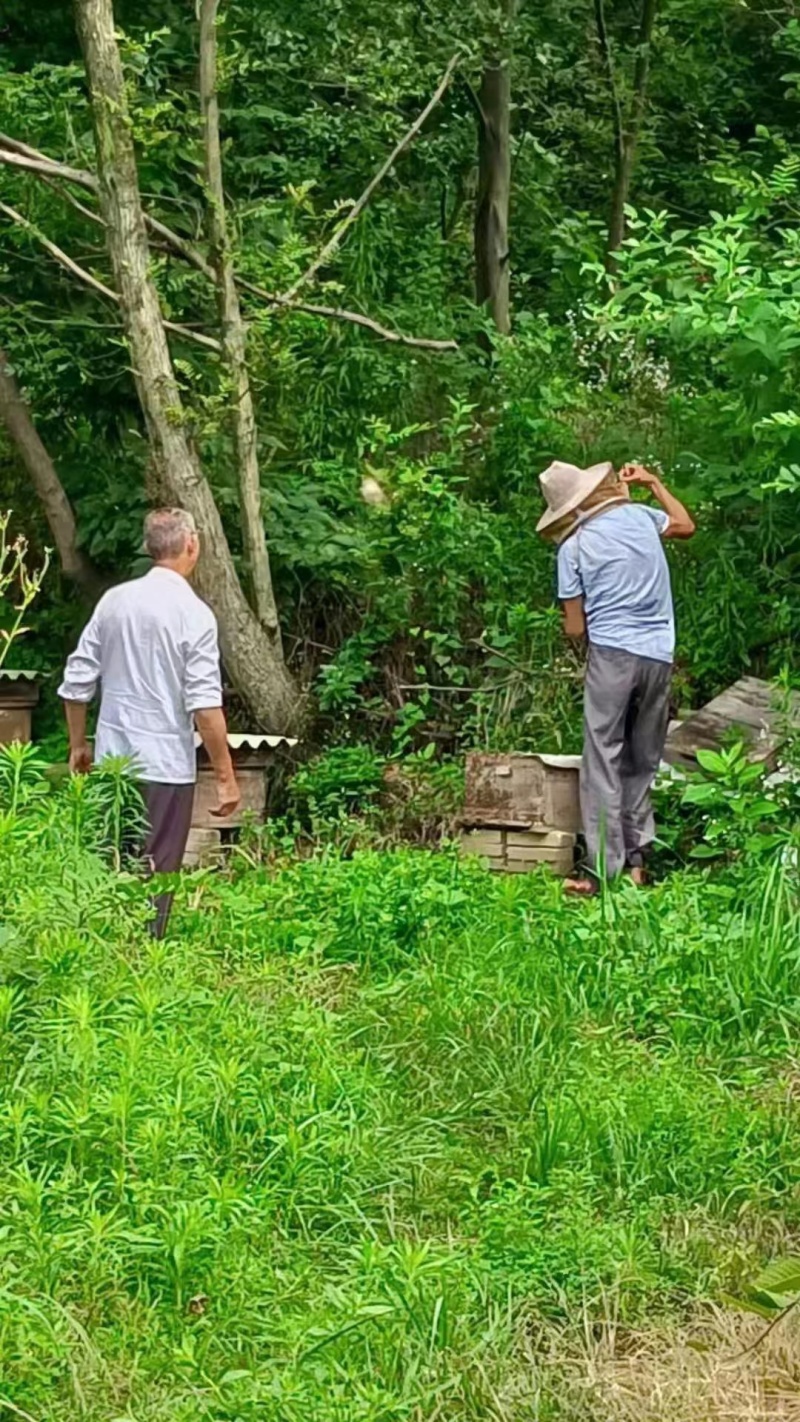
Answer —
(565, 487)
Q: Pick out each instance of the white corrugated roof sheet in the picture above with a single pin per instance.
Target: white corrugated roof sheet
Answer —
(238, 739)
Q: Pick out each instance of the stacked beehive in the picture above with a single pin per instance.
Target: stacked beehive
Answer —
(251, 755)
(522, 811)
(19, 694)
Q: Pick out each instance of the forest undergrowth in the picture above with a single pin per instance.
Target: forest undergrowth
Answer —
(379, 1135)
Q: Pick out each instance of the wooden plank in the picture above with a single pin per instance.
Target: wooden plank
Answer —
(254, 798)
(746, 710)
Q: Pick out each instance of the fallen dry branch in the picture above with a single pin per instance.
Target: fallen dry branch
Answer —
(386, 167)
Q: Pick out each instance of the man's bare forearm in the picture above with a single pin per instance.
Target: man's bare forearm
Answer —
(214, 735)
(80, 752)
(76, 714)
(574, 618)
(681, 523)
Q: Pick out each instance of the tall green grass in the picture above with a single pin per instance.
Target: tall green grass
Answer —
(323, 1152)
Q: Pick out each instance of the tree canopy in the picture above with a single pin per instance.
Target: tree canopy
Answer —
(585, 247)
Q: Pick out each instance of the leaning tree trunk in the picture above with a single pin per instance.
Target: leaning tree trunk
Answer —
(494, 189)
(627, 134)
(252, 656)
(18, 421)
(234, 332)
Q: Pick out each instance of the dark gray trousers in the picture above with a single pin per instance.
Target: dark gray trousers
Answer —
(626, 715)
(169, 818)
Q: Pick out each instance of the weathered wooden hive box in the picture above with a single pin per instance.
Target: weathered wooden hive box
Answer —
(251, 755)
(521, 810)
(19, 693)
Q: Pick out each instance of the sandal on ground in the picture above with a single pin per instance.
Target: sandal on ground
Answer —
(581, 888)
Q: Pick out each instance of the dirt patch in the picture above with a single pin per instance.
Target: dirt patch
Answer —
(714, 1370)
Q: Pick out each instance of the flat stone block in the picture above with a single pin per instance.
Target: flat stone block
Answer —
(486, 842)
(545, 855)
(562, 865)
(203, 847)
(538, 839)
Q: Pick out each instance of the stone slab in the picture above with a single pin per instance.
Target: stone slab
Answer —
(203, 847)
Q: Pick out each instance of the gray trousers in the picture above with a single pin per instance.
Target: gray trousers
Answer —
(169, 818)
(626, 714)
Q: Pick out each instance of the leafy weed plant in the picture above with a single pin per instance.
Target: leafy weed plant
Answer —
(324, 1151)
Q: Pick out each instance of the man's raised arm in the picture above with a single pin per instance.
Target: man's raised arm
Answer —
(681, 524)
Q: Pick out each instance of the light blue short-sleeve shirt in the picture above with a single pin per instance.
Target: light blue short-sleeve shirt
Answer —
(616, 563)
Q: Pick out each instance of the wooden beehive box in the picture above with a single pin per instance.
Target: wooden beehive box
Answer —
(19, 693)
(251, 755)
(516, 791)
(521, 810)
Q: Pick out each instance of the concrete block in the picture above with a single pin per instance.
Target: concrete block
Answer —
(562, 865)
(538, 839)
(203, 847)
(485, 842)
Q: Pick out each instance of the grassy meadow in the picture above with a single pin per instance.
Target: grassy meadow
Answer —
(389, 1139)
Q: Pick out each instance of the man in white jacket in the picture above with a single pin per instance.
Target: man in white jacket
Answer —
(151, 650)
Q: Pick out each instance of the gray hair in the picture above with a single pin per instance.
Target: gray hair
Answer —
(166, 533)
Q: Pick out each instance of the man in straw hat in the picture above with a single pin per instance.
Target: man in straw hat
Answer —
(613, 581)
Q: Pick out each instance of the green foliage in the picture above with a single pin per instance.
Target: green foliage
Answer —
(330, 787)
(430, 618)
(737, 810)
(326, 1150)
(19, 586)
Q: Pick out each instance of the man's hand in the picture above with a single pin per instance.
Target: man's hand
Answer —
(229, 796)
(637, 474)
(80, 759)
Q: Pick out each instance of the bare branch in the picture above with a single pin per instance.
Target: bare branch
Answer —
(49, 169)
(608, 60)
(67, 196)
(16, 416)
(60, 255)
(355, 318)
(36, 163)
(93, 282)
(358, 206)
(18, 155)
(234, 335)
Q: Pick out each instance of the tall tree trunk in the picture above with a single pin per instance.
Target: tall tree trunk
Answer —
(234, 331)
(15, 415)
(252, 656)
(626, 133)
(494, 190)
